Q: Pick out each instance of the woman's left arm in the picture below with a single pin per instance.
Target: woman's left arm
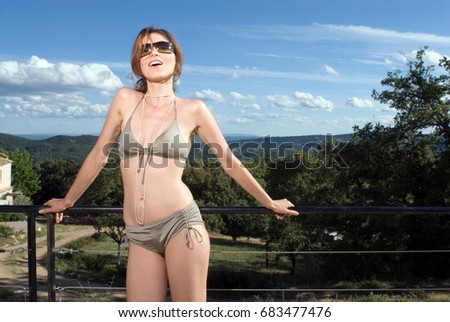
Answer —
(210, 134)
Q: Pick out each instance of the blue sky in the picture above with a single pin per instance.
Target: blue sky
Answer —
(283, 68)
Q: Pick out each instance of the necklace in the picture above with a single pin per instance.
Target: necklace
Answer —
(141, 193)
(157, 96)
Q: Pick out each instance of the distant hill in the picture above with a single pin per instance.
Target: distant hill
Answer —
(71, 148)
(76, 148)
(284, 145)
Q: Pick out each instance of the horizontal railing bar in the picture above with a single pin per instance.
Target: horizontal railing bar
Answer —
(89, 288)
(262, 252)
(18, 287)
(332, 210)
(437, 289)
(334, 251)
(404, 289)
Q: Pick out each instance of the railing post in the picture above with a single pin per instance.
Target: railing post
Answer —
(31, 252)
(51, 274)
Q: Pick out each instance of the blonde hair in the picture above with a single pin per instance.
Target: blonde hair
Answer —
(141, 84)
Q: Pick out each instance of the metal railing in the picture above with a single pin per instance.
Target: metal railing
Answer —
(32, 211)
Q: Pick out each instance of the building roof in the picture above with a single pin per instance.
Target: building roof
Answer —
(4, 159)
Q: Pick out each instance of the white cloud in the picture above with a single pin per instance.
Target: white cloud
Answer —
(39, 88)
(366, 34)
(314, 102)
(330, 70)
(301, 119)
(244, 101)
(291, 103)
(331, 32)
(284, 101)
(243, 120)
(209, 95)
(39, 75)
(57, 105)
(241, 97)
(253, 106)
(359, 102)
(432, 57)
(254, 72)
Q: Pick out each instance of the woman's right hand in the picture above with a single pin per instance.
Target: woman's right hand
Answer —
(281, 208)
(56, 206)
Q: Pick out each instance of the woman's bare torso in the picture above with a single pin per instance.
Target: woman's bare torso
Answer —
(153, 186)
(162, 193)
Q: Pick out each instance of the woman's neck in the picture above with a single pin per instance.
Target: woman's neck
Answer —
(155, 90)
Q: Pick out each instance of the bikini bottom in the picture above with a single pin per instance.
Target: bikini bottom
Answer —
(156, 235)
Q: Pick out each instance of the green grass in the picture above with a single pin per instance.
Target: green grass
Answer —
(234, 264)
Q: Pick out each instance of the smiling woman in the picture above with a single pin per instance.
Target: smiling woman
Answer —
(143, 48)
(155, 130)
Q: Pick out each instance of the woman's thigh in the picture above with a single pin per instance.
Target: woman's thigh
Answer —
(146, 275)
(187, 267)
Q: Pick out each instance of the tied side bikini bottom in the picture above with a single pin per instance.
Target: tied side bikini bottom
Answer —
(156, 235)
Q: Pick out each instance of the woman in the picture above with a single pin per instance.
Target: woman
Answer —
(168, 239)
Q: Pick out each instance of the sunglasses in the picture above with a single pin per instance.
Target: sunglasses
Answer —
(163, 47)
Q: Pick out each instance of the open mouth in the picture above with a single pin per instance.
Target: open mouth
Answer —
(155, 63)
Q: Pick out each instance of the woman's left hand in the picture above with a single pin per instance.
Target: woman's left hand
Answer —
(56, 206)
(281, 208)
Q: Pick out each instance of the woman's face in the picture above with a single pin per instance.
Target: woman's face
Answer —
(157, 66)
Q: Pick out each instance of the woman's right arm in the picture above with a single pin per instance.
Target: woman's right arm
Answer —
(96, 159)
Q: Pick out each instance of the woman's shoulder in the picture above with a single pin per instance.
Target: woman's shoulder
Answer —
(125, 98)
(128, 93)
(191, 105)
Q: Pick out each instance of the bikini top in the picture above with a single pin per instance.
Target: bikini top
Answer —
(169, 144)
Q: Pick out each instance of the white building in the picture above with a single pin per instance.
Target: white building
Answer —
(6, 190)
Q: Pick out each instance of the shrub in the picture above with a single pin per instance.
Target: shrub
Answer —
(6, 231)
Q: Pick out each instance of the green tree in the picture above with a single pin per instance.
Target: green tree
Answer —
(58, 175)
(307, 179)
(421, 97)
(112, 225)
(211, 186)
(24, 176)
(405, 164)
(56, 178)
(286, 237)
(107, 188)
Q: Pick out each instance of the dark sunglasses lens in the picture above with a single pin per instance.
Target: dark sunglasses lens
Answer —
(163, 47)
(146, 49)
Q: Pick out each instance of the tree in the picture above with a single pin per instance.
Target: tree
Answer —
(305, 179)
(58, 175)
(56, 178)
(24, 177)
(107, 188)
(112, 225)
(421, 97)
(211, 186)
(406, 164)
(286, 237)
